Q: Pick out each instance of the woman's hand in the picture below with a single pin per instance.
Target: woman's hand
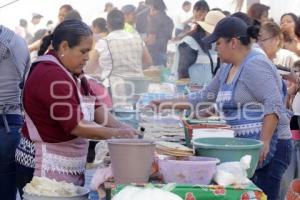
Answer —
(270, 122)
(264, 152)
(125, 133)
(206, 112)
(175, 103)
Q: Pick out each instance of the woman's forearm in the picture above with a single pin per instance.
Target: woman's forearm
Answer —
(176, 103)
(92, 130)
(206, 112)
(269, 125)
(105, 118)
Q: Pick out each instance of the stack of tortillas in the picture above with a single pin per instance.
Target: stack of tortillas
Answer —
(173, 149)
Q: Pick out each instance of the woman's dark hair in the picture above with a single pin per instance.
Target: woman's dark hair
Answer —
(71, 31)
(256, 10)
(297, 28)
(253, 27)
(252, 32)
(201, 5)
(286, 35)
(100, 23)
(292, 15)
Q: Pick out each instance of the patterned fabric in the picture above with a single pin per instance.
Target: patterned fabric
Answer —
(62, 164)
(224, 96)
(14, 62)
(246, 120)
(61, 160)
(246, 129)
(25, 153)
(6, 37)
(126, 56)
(10, 107)
(258, 82)
(121, 54)
(4, 52)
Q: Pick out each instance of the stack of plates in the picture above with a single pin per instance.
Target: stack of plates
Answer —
(153, 73)
(173, 149)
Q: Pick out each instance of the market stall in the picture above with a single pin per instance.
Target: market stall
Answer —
(173, 157)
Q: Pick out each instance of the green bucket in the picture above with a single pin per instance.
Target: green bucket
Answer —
(229, 150)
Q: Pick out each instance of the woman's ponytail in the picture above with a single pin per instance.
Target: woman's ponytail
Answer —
(253, 30)
(46, 41)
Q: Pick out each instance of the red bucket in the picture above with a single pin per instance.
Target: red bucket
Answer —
(188, 129)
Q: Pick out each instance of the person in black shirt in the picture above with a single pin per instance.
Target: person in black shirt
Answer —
(160, 28)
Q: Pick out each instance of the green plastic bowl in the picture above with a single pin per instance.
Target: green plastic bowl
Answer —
(229, 149)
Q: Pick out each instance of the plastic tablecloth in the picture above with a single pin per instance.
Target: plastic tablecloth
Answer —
(212, 192)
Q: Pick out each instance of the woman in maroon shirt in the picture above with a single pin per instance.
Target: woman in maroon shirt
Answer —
(61, 112)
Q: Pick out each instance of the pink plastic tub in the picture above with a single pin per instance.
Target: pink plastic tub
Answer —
(191, 170)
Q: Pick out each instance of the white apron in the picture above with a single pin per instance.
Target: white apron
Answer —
(64, 161)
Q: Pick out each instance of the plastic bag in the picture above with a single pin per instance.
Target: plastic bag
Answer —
(100, 176)
(135, 193)
(233, 173)
(101, 150)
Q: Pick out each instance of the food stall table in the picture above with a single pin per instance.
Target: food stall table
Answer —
(200, 192)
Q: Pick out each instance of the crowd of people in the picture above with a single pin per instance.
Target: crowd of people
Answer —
(57, 83)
